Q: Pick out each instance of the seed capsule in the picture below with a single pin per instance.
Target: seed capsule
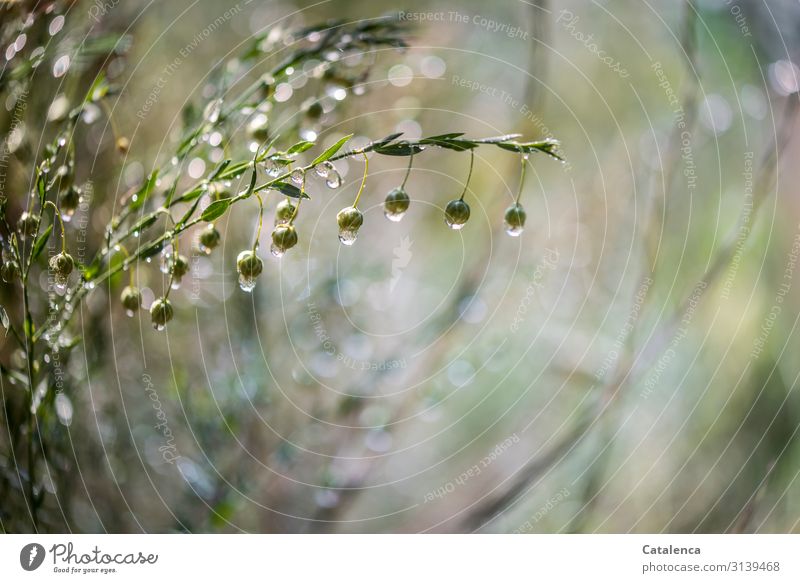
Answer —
(177, 266)
(218, 191)
(62, 265)
(123, 145)
(249, 266)
(350, 220)
(515, 220)
(131, 299)
(314, 111)
(284, 237)
(209, 238)
(68, 202)
(456, 214)
(9, 270)
(285, 211)
(28, 224)
(396, 204)
(258, 128)
(160, 313)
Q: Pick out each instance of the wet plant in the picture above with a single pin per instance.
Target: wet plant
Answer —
(169, 211)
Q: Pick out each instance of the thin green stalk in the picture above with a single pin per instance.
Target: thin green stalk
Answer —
(469, 176)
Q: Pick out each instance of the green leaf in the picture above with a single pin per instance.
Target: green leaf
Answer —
(90, 271)
(191, 195)
(300, 147)
(330, 152)
(549, 147)
(224, 164)
(99, 88)
(38, 247)
(398, 149)
(141, 196)
(234, 171)
(41, 188)
(288, 189)
(498, 139)
(215, 210)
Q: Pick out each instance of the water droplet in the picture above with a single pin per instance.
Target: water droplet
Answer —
(61, 66)
(66, 215)
(395, 217)
(271, 168)
(129, 313)
(348, 237)
(213, 111)
(454, 226)
(90, 114)
(298, 176)
(321, 170)
(334, 180)
(514, 231)
(277, 251)
(247, 283)
(176, 283)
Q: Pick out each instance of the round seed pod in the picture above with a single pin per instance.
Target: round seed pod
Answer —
(178, 266)
(131, 298)
(456, 214)
(350, 219)
(314, 111)
(258, 128)
(396, 204)
(284, 211)
(62, 265)
(161, 313)
(209, 238)
(27, 224)
(515, 220)
(249, 265)
(284, 237)
(9, 271)
(69, 200)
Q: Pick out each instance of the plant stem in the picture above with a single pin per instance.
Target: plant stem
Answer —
(408, 170)
(363, 179)
(522, 176)
(469, 176)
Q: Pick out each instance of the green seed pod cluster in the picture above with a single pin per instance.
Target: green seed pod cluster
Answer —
(161, 313)
(62, 266)
(131, 299)
(208, 239)
(515, 220)
(284, 237)
(396, 204)
(349, 220)
(456, 214)
(249, 266)
(28, 224)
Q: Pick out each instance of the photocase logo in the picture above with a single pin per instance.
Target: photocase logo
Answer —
(31, 556)
(402, 257)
